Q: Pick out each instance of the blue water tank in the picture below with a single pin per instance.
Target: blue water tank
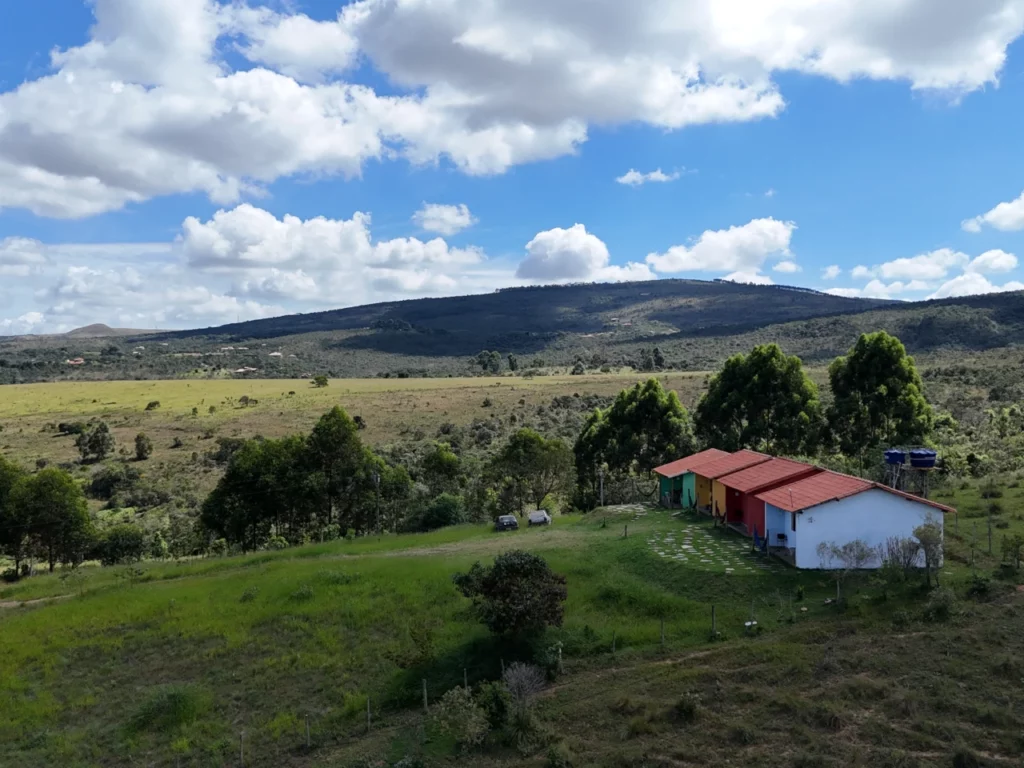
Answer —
(923, 459)
(895, 457)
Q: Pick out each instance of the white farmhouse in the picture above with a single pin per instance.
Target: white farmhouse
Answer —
(835, 508)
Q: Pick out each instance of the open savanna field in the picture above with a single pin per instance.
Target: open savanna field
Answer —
(169, 664)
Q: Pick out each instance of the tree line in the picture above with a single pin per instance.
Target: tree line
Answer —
(765, 401)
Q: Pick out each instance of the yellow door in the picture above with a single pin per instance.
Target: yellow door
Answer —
(703, 492)
(718, 495)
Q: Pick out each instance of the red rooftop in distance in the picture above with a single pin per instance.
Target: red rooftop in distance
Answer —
(726, 465)
(743, 510)
(680, 466)
(814, 490)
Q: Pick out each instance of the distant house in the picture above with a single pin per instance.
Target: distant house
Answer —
(676, 480)
(75, 361)
(276, 354)
(245, 370)
(744, 512)
(829, 507)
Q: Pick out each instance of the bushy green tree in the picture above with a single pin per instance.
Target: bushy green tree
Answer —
(320, 381)
(56, 514)
(536, 465)
(264, 486)
(342, 465)
(13, 522)
(124, 543)
(442, 511)
(643, 428)
(762, 400)
(96, 444)
(143, 446)
(878, 398)
(441, 469)
(517, 596)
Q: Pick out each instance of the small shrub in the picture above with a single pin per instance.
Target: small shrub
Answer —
(458, 716)
(487, 403)
(496, 702)
(249, 595)
(302, 594)
(10, 575)
(211, 410)
(687, 709)
(638, 726)
(219, 547)
(742, 736)
(177, 443)
(900, 619)
(152, 405)
(964, 758)
(169, 708)
(558, 756)
(991, 492)
(42, 463)
(277, 543)
(941, 604)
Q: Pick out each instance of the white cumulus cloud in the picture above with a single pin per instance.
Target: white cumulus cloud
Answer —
(831, 272)
(993, 261)
(446, 220)
(741, 250)
(156, 102)
(634, 178)
(573, 254)
(1007, 217)
(787, 265)
(971, 283)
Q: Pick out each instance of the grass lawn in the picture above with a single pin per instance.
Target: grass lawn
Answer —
(167, 666)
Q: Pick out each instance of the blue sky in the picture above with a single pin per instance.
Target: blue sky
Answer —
(181, 163)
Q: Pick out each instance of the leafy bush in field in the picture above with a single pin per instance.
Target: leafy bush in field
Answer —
(96, 444)
(143, 447)
(110, 480)
(152, 405)
(71, 428)
(496, 701)
(125, 543)
(302, 594)
(249, 594)
(277, 543)
(170, 708)
(687, 709)
(517, 595)
(941, 604)
(458, 716)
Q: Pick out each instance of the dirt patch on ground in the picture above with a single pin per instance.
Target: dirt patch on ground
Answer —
(30, 603)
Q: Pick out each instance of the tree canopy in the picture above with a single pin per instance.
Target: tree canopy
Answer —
(516, 596)
(878, 397)
(643, 428)
(13, 523)
(55, 514)
(762, 400)
(537, 466)
(96, 444)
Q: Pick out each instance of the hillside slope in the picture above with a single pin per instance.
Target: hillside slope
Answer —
(695, 324)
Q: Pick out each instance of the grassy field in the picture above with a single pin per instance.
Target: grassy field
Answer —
(262, 642)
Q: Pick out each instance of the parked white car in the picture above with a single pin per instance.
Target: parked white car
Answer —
(540, 517)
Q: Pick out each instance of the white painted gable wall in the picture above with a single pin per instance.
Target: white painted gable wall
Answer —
(872, 516)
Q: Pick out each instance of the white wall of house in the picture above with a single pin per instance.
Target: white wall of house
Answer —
(778, 521)
(873, 516)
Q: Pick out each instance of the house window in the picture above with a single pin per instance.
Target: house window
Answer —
(793, 517)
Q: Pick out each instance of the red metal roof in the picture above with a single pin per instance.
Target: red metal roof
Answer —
(726, 465)
(814, 490)
(680, 466)
(762, 476)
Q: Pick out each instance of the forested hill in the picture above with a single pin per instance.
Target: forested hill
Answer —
(694, 325)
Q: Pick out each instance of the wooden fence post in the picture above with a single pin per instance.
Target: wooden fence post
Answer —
(714, 628)
(425, 708)
(663, 632)
(367, 714)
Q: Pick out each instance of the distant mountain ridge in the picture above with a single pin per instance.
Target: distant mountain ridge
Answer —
(695, 324)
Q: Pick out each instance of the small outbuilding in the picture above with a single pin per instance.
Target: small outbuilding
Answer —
(829, 507)
(676, 487)
(744, 512)
(711, 496)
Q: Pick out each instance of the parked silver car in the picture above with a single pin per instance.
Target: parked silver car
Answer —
(540, 517)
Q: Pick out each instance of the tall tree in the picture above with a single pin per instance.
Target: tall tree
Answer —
(96, 444)
(263, 489)
(762, 400)
(878, 398)
(644, 428)
(342, 463)
(537, 466)
(441, 470)
(13, 523)
(57, 515)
